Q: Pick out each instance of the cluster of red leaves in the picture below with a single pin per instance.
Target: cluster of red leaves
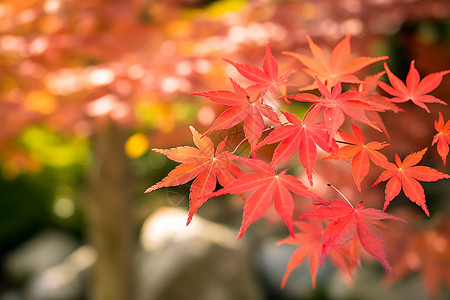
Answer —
(346, 225)
(425, 249)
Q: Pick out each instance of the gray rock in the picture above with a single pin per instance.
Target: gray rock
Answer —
(46, 249)
(65, 281)
(202, 261)
(369, 285)
(11, 295)
(273, 260)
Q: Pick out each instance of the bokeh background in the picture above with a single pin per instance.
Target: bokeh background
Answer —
(87, 87)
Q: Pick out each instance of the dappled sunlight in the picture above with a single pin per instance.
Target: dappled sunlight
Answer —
(100, 76)
(206, 115)
(52, 6)
(168, 225)
(63, 207)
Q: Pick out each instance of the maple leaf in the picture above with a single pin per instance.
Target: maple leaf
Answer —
(266, 78)
(368, 88)
(311, 238)
(266, 186)
(347, 222)
(249, 109)
(442, 138)
(337, 68)
(336, 105)
(202, 164)
(405, 175)
(303, 136)
(415, 89)
(360, 153)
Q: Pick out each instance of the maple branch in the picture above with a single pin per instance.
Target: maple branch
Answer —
(334, 188)
(347, 143)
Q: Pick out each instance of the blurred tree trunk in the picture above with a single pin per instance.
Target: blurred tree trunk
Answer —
(109, 224)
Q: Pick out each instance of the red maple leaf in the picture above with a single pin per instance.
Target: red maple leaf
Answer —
(415, 89)
(336, 105)
(302, 135)
(311, 238)
(266, 186)
(202, 164)
(406, 175)
(244, 107)
(336, 69)
(368, 88)
(266, 78)
(360, 153)
(442, 138)
(347, 222)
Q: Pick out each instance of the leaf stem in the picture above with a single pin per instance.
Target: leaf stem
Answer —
(347, 143)
(334, 188)
(268, 128)
(238, 145)
(343, 142)
(307, 112)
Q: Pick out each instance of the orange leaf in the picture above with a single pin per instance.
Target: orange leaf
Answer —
(202, 164)
(360, 153)
(336, 69)
(406, 175)
(265, 79)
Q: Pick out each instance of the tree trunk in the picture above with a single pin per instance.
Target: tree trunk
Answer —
(109, 224)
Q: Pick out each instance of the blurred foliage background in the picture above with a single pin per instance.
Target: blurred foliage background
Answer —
(87, 87)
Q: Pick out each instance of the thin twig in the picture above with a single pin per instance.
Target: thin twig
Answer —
(343, 142)
(334, 188)
(307, 112)
(268, 128)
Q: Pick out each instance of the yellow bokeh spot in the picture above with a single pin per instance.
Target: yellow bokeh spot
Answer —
(136, 145)
(223, 7)
(41, 101)
(64, 208)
